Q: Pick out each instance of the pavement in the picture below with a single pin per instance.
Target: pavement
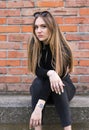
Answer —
(17, 109)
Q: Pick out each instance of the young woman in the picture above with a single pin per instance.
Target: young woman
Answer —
(50, 59)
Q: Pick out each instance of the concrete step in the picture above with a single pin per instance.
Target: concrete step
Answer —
(17, 109)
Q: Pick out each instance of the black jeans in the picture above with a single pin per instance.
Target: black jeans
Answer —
(40, 89)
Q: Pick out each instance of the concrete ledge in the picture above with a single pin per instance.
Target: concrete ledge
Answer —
(17, 109)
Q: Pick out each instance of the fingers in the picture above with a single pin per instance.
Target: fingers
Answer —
(35, 119)
(34, 123)
(52, 88)
(62, 87)
(58, 87)
(56, 83)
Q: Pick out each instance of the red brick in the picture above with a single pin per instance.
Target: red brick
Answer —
(84, 28)
(77, 37)
(2, 87)
(22, 20)
(16, 18)
(81, 54)
(15, 37)
(82, 88)
(9, 29)
(17, 54)
(84, 63)
(27, 12)
(13, 62)
(81, 62)
(83, 45)
(27, 20)
(74, 79)
(50, 4)
(27, 28)
(2, 79)
(2, 54)
(59, 20)
(73, 45)
(2, 4)
(24, 62)
(76, 20)
(24, 46)
(82, 71)
(18, 37)
(9, 12)
(77, 3)
(18, 71)
(84, 79)
(9, 63)
(2, 20)
(64, 11)
(3, 37)
(9, 46)
(19, 4)
(68, 28)
(84, 11)
(3, 70)
(27, 79)
(2, 62)
(76, 62)
(12, 79)
(18, 88)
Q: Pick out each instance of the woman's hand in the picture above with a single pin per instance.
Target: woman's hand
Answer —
(36, 118)
(55, 82)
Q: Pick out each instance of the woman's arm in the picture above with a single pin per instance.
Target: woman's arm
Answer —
(41, 72)
(36, 116)
(55, 82)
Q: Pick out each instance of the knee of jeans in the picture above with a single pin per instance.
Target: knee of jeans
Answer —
(70, 90)
(36, 86)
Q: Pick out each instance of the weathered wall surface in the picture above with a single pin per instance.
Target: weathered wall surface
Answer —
(15, 28)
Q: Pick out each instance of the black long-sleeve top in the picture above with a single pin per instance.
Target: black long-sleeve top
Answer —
(44, 66)
(45, 62)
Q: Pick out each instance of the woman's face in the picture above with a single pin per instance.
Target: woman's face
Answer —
(41, 30)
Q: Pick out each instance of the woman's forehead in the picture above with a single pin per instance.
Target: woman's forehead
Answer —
(39, 20)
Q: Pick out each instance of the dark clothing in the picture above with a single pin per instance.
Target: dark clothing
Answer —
(45, 62)
(40, 88)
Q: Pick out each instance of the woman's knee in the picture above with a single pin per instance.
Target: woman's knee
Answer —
(69, 87)
(36, 86)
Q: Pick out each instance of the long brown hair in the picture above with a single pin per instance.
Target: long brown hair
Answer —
(61, 52)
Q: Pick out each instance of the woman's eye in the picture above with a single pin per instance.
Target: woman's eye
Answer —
(43, 26)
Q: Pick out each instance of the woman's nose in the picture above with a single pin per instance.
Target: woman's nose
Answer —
(39, 29)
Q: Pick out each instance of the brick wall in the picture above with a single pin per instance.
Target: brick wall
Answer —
(15, 28)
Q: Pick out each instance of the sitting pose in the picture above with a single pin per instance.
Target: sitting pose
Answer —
(50, 59)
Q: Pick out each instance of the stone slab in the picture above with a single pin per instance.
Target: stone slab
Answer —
(17, 109)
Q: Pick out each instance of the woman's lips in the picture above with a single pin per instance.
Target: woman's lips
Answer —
(40, 36)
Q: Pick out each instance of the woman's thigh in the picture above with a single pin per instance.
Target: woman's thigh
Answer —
(40, 89)
(35, 90)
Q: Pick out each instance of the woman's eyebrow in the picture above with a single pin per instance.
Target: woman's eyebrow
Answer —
(40, 24)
